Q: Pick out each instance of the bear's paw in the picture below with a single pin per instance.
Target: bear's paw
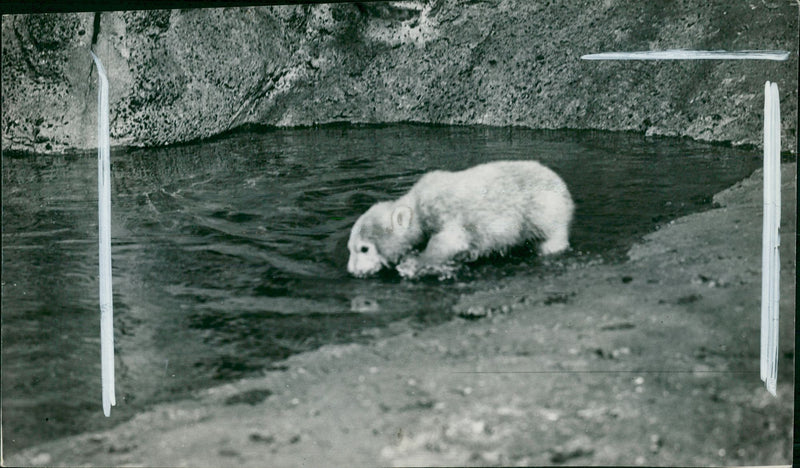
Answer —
(413, 267)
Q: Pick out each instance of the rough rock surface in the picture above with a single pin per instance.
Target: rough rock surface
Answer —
(186, 74)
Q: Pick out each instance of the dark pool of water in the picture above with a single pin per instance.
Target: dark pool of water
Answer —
(229, 255)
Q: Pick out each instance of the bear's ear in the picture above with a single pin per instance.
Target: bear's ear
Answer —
(401, 218)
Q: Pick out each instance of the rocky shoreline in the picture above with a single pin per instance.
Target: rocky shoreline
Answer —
(652, 361)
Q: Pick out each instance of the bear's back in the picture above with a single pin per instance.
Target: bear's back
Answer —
(501, 202)
(498, 182)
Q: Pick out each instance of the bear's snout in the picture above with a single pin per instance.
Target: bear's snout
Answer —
(360, 268)
(364, 264)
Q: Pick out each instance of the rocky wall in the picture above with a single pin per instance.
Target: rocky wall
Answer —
(180, 75)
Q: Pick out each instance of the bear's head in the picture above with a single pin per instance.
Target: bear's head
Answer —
(379, 238)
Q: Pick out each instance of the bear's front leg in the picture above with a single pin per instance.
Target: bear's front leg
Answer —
(439, 254)
(409, 266)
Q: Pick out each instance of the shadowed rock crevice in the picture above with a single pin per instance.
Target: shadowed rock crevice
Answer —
(95, 28)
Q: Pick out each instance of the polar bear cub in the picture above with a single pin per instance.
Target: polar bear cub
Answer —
(462, 216)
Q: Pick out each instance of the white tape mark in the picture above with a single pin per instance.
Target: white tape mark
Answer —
(770, 256)
(681, 54)
(104, 227)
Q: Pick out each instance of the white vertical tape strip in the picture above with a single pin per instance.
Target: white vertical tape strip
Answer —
(772, 378)
(770, 259)
(765, 233)
(104, 223)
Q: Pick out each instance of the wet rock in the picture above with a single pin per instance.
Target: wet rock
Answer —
(617, 326)
(593, 413)
(523, 299)
(228, 452)
(599, 352)
(656, 442)
(705, 280)
(617, 353)
(550, 415)
(121, 448)
(261, 438)
(510, 411)
(466, 428)
(475, 312)
(363, 304)
(41, 459)
(250, 397)
(558, 298)
(702, 371)
(421, 404)
(575, 448)
(689, 299)
(491, 457)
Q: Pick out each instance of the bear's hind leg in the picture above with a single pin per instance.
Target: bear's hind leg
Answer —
(556, 242)
(552, 217)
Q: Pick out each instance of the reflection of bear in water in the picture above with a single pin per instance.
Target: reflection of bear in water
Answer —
(463, 215)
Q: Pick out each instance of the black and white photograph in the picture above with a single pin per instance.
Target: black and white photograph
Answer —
(399, 233)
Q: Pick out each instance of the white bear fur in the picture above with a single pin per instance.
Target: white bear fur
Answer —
(463, 215)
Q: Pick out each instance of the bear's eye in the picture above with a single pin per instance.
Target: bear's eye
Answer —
(364, 249)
